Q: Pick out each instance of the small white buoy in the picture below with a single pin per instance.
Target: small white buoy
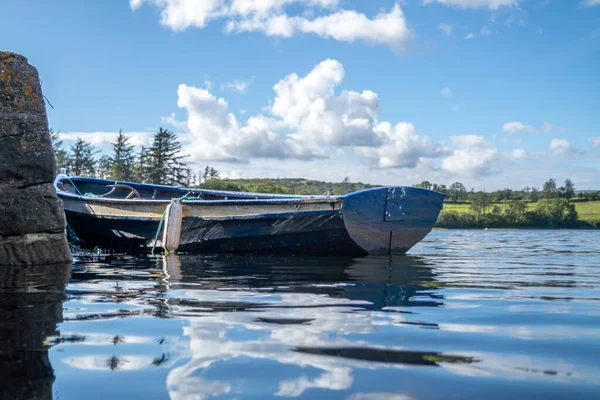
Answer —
(172, 229)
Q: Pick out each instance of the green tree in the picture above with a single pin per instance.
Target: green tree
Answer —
(516, 211)
(60, 154)
(164, 166)
(557, 212)
(123, 159)
(142, 165)
(549, 188)
(480, 205)
(424, 185)
(81, 158)
(103, 167)
(210, 173)
(569, 191)
(440, 188)
(457, 192)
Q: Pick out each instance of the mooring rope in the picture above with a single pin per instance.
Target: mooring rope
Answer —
(74, 187)
(160, 224)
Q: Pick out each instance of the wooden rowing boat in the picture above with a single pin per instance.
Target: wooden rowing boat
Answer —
(125, 215)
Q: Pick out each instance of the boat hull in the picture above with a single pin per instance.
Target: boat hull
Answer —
(315, 234)
(380, 220)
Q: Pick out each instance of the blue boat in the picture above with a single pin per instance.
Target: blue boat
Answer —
(126, 216)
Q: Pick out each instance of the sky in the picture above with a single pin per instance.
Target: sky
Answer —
(491, 93)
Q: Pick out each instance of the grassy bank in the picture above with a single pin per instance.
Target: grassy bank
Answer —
(587, 211)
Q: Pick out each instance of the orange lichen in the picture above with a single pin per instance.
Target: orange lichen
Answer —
(5, 75)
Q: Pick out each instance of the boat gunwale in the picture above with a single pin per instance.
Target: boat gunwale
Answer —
(250, 200)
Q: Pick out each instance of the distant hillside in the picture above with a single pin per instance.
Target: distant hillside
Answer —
(286, 186)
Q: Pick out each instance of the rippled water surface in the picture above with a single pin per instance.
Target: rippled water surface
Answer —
(468, 314)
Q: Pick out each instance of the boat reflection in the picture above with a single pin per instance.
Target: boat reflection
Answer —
(31, 300)
(300, 312)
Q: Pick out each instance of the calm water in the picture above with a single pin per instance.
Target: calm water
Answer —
(469, 314)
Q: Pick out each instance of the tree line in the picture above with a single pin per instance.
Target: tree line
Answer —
(457, 192)
(161, 163)
(550, 207)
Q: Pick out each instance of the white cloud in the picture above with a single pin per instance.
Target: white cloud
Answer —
(215, 133)
(469, 36)
(236, 86)
(446, 28)
(518, 154)
(589, 3)
(562, 147)
(307, 120)
(594, 141)
(491, 4)
(518, 127)
(403, 148)
(446, 92)
(270, 17)
(172, 120)
(345, 25)
(473, 157)
(485, 31)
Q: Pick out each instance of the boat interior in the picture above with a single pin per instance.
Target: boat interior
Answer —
(107, 189)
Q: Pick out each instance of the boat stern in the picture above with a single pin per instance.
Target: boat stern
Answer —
(390, 219)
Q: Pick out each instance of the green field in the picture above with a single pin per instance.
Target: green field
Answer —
(588, 211)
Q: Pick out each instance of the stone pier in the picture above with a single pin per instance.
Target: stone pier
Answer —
(32, 220)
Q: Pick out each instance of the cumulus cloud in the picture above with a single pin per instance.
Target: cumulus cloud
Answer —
(402, 147)
(518, 127)
(309, 119)
(216, 134)
(306, 119)
(490, 4)
(485, 31)
(271, 18)
(469, 36)
(446, 28)
(594, 141)
(446, 92)
(562, 147)
(473, 157)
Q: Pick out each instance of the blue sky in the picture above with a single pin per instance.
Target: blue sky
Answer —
(492, 93)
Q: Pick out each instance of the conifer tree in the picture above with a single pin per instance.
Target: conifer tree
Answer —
(141, 165)
(123, 159)
(103, 167)
(81, 158)
(210, 173)
(164, 160)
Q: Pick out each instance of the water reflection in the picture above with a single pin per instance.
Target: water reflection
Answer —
(474, 319)
(300, 312)
(31, 300)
